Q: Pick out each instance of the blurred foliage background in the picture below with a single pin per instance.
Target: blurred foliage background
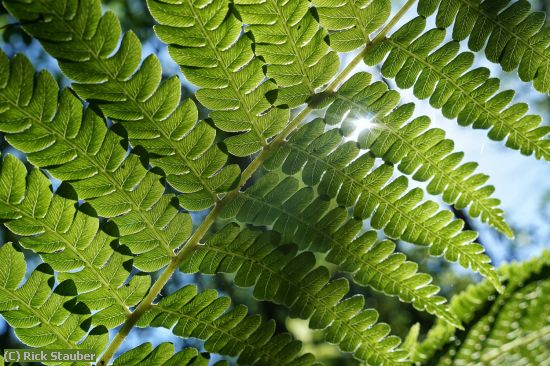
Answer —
(531, 221)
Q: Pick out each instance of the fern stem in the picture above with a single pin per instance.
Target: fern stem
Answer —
(133, 317)
(247, 173)
(159, 284)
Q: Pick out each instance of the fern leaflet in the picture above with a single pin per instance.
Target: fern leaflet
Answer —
(280, 274)
(511, 34)
(289, 39)
(76, 146)
(351, 21)
(151, 114)
(71, 243)
(41, 314)
(310, 223)
(444, 77)
(356, 184)
(490, 318)
(425, 154)
(206, 316)
(162, 355)
(205, 40)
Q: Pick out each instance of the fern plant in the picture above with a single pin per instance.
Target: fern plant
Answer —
(326, 157)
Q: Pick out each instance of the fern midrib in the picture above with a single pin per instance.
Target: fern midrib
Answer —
(228, 75)
(136, 104)
(76, 252)
(247, 173)
(359, 18)
(43, 320)
(194, 241)
(467, 94)
(100, 170)
(435, 164)
(292, 282)
(396, 282)
(476, 8)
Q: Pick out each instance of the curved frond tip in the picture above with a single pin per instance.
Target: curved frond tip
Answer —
(512, 327)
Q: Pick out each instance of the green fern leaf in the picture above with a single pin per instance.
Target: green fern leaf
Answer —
(512, 35)
(76, 146)
(44, 316)
(206, 316)
(508, 328)
(312, 225)
(204, 39)
(424, 154)
(289, 39)
(162, 355)
(443, 76)
(281, 275)
(351, 21)
(150, 112)
(71, 242)
(341, 172)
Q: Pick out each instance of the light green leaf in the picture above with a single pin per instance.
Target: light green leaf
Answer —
(42, 314)
(72, 243)
(230, 332)
(351, 21)
(511, 34)
(371, 111)
(290, 40)
(205, 40)
(149, 110)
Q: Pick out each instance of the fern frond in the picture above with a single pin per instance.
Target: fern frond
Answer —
(205, 40)
(340, 171)
(351, 22)
(231, 332)
(42, 314)
(511, 34)
(85, 43)
(443, 75)
(416, 150)
(76, 146)
(309, 222)
(71, 242)
(162, 355)
(289, 39)
(516, 321)
(281, 275)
